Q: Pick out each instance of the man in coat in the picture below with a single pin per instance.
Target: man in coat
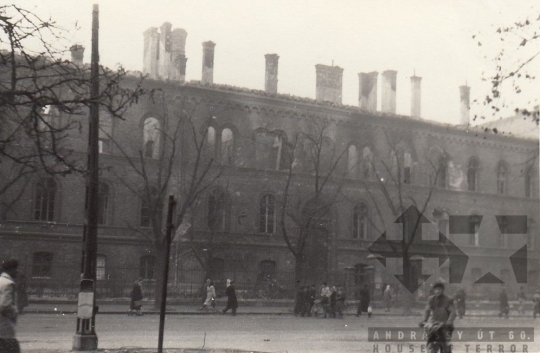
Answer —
(135, 306)
(232, 302)
(8, 307)
(363, 304)
(504, 307)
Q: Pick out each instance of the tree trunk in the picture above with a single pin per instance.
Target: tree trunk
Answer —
(161, 258)
(407, 296)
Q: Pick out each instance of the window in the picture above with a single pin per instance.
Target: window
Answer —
(151, 136)
(352, 162)
(360, 221)
(227, 144)
(475, 273)
(443, 225)
(529, 182)
(147, 206)
(101, 274)
(442, 177)
(210, 143)
(394, 165)
(472, 175)
(531, 235)
(267, 214)
(474, 228)
(503, 228)
(267, 270)
(105, 133)
(407, 166)
(42, 264)
(45, 200)
(218, 215)
(103, 203)
(270, 151)
(501, 179)
(367, 159)
(146, 267)
(48, 118)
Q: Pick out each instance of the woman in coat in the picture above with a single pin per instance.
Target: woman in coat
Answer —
(210, 295)
(135, 306)
(363, 304)
(232, 302)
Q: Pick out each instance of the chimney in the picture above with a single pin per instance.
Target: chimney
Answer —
(208, 63)
(178, 55)
(329, 83)
(77, 54)
(416, 95)
(164, 58)
(388, 97)
(464, 104)
(271, 73)
(151, 53)
(367, 98)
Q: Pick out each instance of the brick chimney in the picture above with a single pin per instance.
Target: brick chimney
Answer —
(464, 104)
(178, 55)
(388, 97)
(164, 58)
(77, 54)
(329, 83)
(151, 54)
(208, 63)
(271, 73)
(416, 95)
(367, 98)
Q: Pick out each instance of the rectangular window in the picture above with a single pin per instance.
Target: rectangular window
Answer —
(100, 267)
(42, 264)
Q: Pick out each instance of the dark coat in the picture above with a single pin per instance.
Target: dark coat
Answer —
(333, 299)
(232, 302)
(136, 295)
(503, 299)
(364, 299)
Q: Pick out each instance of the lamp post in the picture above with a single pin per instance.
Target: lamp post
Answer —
(85, 338)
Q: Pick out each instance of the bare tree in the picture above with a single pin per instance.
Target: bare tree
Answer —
(311, 188)
(41, 96)
(177, 163)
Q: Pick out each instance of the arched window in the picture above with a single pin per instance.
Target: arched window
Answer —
(394, 164)
(103, 203)
(42, 264)
(270, 151)
(227, 145)
(45, 200)
(105, 132)
(407, 168)
(101, 273)
(267, 218)
(501, 179)
(151, 137)
(147, 206)
(503, 230)
(267, 270)
(352, 162)
(367, 159)
(442, 176)
(218, 211)
(472, 174)
(474, 230)
(529, 182)
(360, 221)
(146, 266)
(211, 139)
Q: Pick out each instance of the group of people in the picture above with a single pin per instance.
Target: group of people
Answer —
(210, 298)
(331, 301)
(504, 306)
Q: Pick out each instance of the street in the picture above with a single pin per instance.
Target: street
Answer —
(266, 333)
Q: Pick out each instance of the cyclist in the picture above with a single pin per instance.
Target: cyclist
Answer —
(439, 321)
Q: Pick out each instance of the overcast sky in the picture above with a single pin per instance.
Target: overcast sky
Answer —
(431, 38)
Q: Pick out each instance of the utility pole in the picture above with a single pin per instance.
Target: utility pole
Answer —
(85, 338)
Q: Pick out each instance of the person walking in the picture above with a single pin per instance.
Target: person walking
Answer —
(340, 302)
(504, 308)
(8, 307)
(522, 297)
(333, 293)
(210, 295)
(363, 303)
(135, 306)
(311, 293)
(387, 298)
(460, 299)
(536, 303)
(232, 302)
(325, 298)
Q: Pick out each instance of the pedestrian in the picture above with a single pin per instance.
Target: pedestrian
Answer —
(340, 302)
(210, 295)
(232, 302)
(441, 314)
(363, 304)
(310, 299)
(460, 299)
(8, 307)
(135, 306)
(325, 297)
(522, 297)
(22, 296)
(536, 303)
(504, 308)
(300, 305)
(387, 298)
(333, 293)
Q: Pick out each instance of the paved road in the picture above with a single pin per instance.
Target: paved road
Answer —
(274, 333)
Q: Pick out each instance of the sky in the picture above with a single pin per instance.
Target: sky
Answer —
(432, 39)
